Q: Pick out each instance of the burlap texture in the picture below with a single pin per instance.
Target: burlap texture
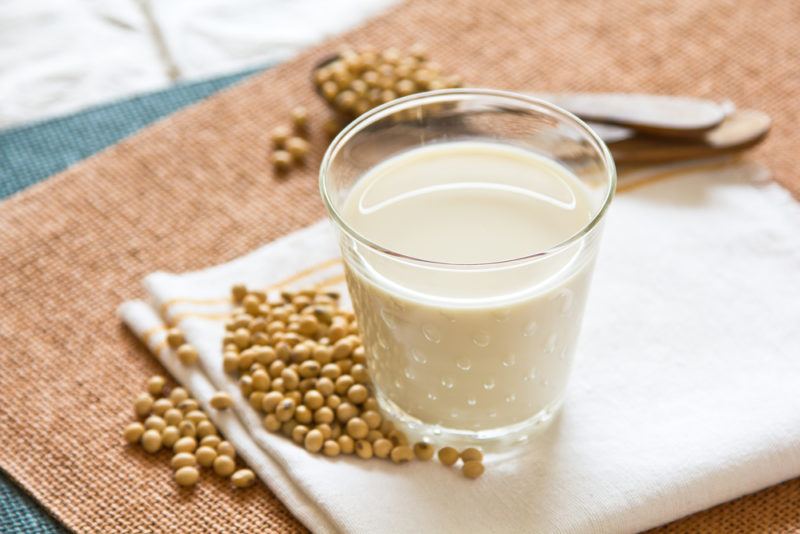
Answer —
(195, 190)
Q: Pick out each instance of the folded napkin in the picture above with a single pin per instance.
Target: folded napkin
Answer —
(684, 395)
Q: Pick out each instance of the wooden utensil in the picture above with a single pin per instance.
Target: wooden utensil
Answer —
(658, 115)
(741, 130)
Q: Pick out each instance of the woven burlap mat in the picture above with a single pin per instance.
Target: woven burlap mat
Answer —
(195, 190)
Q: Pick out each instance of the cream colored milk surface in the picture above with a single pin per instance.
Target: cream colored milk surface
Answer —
(469, 347)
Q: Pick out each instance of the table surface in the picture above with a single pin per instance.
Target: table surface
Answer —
(29, 154)
(734, 516)
(72, 138)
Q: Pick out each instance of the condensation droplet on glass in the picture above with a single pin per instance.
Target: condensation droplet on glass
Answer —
(530, 329)
(550, 347)
(488, 384)
(432, 397)
(501, 316)
(447, 382)
(566, 297)
(481, 338)
(388, 318)
(509, 360)
(431, 333)
(409, 373)
(511, 398)
(418, 356)
(472, 401)
(447, 316)
(463, 363)
(382, 342)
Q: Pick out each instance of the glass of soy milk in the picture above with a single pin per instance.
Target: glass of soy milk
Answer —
(469, 223)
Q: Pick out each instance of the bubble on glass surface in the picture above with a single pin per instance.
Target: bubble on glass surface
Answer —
(481, 338)
(510, 359)
(464, 363)
(450, 318)
(432, 397)
(565, 300)
(389, 318)
(501, 316)
(550, 346)
(382, 343)
(472, 401)
(530, 329)
(447, 382)
(398, 384)
(431, 333)
(409, 374)
(488, 384)
(511, 398)
(418, 356)
(454, 414)
(493, 414)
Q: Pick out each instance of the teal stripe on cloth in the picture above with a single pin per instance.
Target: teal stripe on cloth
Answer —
(31, 153)
(20, 513)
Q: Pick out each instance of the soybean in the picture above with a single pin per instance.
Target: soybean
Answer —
(151, 441)
(448, 456)
(224, 465)
(243, 478)
(187, 476)
(472, 469)
(221, 401)
(133, 432)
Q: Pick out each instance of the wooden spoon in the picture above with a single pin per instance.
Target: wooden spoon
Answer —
(741, 130)
(659, 115)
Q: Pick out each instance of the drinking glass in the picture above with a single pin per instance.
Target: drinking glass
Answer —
(491, 365)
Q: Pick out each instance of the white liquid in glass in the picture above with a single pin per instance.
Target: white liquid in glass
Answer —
(479, 347)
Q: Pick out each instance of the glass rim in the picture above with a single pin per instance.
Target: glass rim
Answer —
(384, 110)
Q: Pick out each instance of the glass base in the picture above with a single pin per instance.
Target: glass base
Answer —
(497, 439)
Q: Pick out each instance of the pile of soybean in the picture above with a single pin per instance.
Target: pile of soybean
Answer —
(174, 421)
(359, 80)
(351, 83)
(300, 361)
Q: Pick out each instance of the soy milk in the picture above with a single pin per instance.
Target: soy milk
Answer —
(473, 338)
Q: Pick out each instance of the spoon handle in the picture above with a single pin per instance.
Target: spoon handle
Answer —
(741, 130)
(657, 115)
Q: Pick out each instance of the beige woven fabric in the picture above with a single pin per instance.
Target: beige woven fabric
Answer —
(74, 247)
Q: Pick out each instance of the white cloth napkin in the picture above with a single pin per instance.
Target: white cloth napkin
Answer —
(686, 392)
